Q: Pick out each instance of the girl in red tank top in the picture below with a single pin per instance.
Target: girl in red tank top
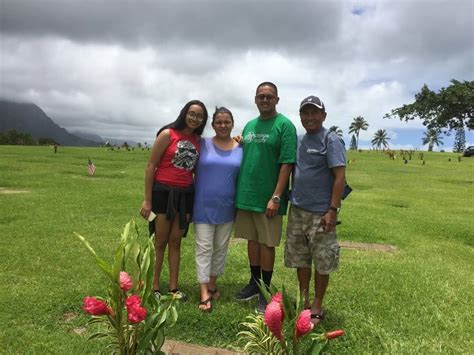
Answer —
(179, 159)
(169, 187)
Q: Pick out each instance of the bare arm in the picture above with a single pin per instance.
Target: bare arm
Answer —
(328, 221)
(283, 176)
(159, 147)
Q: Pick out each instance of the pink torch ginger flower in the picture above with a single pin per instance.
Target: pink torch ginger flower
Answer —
(133, 301)
(136, 314)
(273, 319)
(95, 307)
(277, 297)
(125, 281)
(334, 334)
(303, 323)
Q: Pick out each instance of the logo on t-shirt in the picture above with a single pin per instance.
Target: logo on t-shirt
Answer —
(186, 155)
(256, 137)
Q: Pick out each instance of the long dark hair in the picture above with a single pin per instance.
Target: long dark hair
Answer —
(180, 122)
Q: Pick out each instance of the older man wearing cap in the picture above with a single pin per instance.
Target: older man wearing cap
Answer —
(317, 187)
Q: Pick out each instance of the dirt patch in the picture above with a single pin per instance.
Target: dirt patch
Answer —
(369, 246)
(68, 317)
(347, 245)
(4, 190)
(172, 347)
(79, 330)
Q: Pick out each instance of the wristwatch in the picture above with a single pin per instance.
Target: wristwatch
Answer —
(276, 199)
(335, 209)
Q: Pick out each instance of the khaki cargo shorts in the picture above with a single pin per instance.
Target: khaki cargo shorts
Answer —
(306, 242)
(258, 227)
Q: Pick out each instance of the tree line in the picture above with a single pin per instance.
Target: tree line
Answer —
(451, 108)
(13, 137)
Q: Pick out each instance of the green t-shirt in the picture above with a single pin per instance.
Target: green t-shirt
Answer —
(267, 144)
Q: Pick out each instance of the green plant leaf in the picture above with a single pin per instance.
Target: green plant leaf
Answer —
(316, 347)
(98, 335)
(148, 278)
(114, 345)
(288, 305)
(95, 320)
(160, 339)
(134, 252)
(299, 302)
(126, 251)
(145, 264)
(258, 337)
(86, 244)
(174, 315)
(126, 233)
(100, 263)
(119, 262)
(151, 320)
(273, 289)
(263, 289)
(145, 339)
(162, 319)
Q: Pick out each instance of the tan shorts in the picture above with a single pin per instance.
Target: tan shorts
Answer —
(258, 227)
(306, 242)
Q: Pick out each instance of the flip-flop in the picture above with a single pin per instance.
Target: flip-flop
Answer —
(205, 302)
(213, 293)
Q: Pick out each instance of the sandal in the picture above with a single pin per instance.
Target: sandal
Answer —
(317, 317)
(178, 295)
(215, 294)
(204, 303)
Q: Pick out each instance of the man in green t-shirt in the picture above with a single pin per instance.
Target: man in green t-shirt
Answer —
(269, 143)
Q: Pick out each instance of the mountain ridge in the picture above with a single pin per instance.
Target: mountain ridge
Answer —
(30, 118)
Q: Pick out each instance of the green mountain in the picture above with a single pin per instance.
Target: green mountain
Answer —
(29, 118)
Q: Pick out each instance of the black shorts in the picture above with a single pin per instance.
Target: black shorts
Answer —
(159, 202)
(172, 202)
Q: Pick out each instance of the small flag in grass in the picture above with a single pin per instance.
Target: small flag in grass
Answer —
(90, 167)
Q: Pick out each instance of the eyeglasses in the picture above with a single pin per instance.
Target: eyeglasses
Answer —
(195, 116)
(262, 97)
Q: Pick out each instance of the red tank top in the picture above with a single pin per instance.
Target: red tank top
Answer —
(179, 159)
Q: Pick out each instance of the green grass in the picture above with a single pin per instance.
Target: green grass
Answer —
(416, 300)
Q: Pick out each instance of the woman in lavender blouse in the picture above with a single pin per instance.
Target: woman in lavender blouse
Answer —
(214, 207)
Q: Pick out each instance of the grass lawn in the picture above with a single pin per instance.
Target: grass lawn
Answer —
(418, 299)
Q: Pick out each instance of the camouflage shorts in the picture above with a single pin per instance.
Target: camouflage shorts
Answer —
(306, 242)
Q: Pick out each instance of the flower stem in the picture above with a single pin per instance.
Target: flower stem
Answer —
(283, 345)
(295, 345)
(119, 326)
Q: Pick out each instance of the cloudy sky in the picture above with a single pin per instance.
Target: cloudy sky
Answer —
(124, 68)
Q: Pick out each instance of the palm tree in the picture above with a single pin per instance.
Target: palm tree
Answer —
(381, 138)
(336, 130)
(431, 138)
(357, 125)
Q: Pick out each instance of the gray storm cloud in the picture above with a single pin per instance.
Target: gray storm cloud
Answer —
(114, 67)
(223, 24)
